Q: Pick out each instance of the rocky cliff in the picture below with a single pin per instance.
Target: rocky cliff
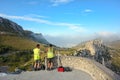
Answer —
(94, 48)
(11, 28)
(107, 54)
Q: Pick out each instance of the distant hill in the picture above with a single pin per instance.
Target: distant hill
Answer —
(114, 44)
(36, 37)
(8, 27)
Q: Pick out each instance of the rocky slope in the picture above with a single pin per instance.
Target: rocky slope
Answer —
(36, 37)
(96, 49)
(93, 47)
(105, 53)
(7, 26)
(11, 28)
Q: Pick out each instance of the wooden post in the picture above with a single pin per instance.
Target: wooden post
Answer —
(45, 63)
(103, 62)
(58, 61)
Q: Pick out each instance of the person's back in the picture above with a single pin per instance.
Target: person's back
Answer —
(50, 57)
(37, 57)
(50, 53)
(36, 53)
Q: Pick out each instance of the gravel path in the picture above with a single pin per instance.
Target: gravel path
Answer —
(48, 75)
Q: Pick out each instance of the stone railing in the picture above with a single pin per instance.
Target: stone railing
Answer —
(96, 70)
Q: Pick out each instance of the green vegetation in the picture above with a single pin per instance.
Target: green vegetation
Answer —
(16, 51)
(19, 53)
(116, 64)
(5, 49)
(17, 59)
(116, 60)
(19, 43)
(16, 46)
(67, 51)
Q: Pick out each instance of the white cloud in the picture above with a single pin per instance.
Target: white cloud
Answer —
(75, 27)
(35, 15)
(106, 33)
(107, 36)
(58, 2)
(27, 18)
(88, 10)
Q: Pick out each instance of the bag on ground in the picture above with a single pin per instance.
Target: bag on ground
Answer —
(60, 69)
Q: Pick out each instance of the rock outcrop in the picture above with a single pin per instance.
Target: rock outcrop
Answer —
(92, 46)
(96, 49)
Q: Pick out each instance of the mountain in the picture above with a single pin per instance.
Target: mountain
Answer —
(36, 37)
(105, 53)
(17, 44)
(11, 28)
(92, 47)
(7, 26)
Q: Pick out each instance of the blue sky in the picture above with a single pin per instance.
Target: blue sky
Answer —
(65, 22)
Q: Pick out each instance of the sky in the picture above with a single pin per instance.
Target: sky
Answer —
(65, 23)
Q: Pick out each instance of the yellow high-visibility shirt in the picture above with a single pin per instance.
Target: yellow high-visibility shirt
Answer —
(36, 54)
(50, 53)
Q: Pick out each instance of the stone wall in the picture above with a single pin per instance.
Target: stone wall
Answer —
(96, 70)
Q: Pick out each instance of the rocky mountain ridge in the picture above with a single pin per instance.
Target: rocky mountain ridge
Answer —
(11, 28)
(91, 45)
(94, 48)
(107, 54)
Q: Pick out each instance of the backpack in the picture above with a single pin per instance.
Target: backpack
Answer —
(42, 67)
(67, 69)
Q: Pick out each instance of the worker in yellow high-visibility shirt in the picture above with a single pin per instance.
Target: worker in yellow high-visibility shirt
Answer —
(37, 57)
(50, 56)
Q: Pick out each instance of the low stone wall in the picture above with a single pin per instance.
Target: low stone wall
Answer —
(90, 67)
